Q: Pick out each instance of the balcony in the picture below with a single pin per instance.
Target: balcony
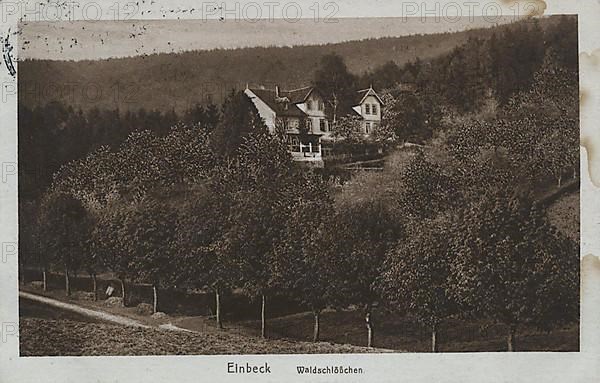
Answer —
(310, 149)
(309, 154)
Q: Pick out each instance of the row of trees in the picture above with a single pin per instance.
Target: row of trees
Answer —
(171, 211)
(170, 215)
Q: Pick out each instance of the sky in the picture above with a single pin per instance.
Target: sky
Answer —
(83, 40)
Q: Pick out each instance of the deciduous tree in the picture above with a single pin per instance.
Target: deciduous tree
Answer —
(511, 266)
(336, 83)
(64, 225)
(262, 172)
(427, 188)
(416, 274)
(357, 239)
(301, 266)
(148, 238)
(203, 260)
(239, 118)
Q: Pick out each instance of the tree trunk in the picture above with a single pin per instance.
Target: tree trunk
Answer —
(369, 324)
(316, 330)
(45, 279)
(123, 290)
(67, 283)
(434, 341)
(155, 299)
(263, 332)
(334, 109)
(218, 308)
(94, 286)
(510, 340)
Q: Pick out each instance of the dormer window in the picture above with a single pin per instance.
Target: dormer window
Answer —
(374, 108)
(367, 108)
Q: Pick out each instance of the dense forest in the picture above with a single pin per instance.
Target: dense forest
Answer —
(180, 80)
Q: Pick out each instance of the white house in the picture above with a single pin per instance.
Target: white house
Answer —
(367, 104)
(300, 115)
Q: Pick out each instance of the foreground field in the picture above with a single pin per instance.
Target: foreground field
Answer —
(43, 337)
(46, 331)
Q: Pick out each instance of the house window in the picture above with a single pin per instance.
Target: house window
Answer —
(368, 128)
(367, 108)
(321, 105)
(309, 124)
(374, 108)
(323, 125)
(293, 143)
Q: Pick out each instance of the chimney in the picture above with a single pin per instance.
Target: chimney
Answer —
(276, 90)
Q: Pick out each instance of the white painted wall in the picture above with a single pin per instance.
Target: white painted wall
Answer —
(371, 117)
(314, 114)
(267, 114)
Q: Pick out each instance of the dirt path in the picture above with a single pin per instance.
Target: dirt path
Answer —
(81, 310)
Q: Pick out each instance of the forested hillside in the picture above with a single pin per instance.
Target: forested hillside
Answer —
(454, 75)
(180, 80)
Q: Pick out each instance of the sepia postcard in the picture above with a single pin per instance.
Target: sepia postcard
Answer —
(302, 191)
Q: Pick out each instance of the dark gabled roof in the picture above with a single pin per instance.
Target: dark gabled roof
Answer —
(347, 110)
(298, 95)
(358, 96)
(269, 97)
